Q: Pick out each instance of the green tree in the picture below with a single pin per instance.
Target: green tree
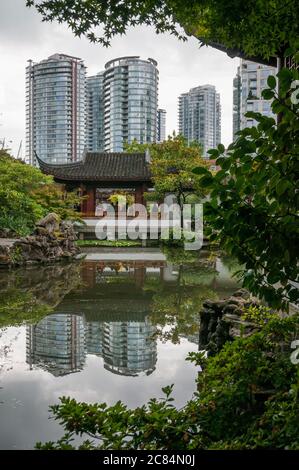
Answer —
(259, 30)
(253, 206)
(26, 195)
(53, 198)
(172, 163)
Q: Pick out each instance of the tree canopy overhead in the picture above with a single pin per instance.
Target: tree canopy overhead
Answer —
(259, 30)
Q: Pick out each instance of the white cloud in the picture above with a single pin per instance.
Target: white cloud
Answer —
(182, 65)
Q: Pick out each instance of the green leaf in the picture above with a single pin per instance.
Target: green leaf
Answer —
(252, 115)
(221, 148)
(226, 163)
(273, 278)
(206, 181)
(289, 51)
(200, 170)
(268, 94)
(282, 186)
(286, 256)
(213, 152)
(271, 81)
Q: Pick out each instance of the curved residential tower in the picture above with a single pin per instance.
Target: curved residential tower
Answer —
(130, 102)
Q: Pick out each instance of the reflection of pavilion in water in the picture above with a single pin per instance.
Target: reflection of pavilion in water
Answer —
(109, 317)
(104, 319)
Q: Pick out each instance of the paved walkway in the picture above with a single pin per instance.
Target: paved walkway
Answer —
(125, 256)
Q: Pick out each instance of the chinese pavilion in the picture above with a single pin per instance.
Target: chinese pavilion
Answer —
(99, 175)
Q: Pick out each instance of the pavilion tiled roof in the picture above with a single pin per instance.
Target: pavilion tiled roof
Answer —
(97, 166)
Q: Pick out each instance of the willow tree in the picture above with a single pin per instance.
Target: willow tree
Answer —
(259, 30)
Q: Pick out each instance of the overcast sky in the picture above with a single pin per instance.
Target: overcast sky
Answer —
(182, 65)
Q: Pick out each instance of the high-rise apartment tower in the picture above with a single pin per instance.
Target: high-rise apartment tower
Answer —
(200, 116)
(55, 109)
(130, 102)
(248, 84)
(95, 113)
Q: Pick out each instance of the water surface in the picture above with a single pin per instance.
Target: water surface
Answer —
(117, 326)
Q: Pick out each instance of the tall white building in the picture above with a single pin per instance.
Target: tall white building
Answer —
(55, 109)
(95, 113)
(248, 84)
(161, 125)
(130, 102)
(200, 116)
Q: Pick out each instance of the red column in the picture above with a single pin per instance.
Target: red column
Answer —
(139, 195)
(140, 274)
(83, 208)
(88, 273)
(90, 203)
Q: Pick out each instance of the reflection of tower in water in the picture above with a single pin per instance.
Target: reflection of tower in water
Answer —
(57, 344)
(108, 317)
(94, 337)
(129, 347)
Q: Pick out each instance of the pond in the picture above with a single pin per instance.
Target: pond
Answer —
(116, 326)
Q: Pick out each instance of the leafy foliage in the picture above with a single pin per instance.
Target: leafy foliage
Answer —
(122, 198)
(53, 198)
(253, 207)
(172, 163)
(18, 212)
(26, 195)
(259, 315)
(260, 28)
(247, 398)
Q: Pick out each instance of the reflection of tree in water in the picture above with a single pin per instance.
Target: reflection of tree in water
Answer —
(115, 267)
(232, 264)
(176, 307)
(28, 295)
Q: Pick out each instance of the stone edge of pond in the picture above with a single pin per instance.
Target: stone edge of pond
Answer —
(52, 241)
